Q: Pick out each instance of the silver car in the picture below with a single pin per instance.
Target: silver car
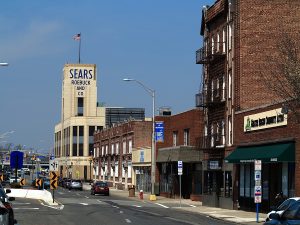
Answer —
(75, 184)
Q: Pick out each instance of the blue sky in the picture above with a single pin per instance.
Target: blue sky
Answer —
(151, 41)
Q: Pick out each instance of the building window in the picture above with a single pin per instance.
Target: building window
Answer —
(218, 42)
(229, 132)
(75, 141)
(175, 136)
(186, 137)
(102, 150)
(230, 37)
(229, 84)
(117, 148)
(130, 146)
(106, 149)
(112, 149)
(80, 106)
(91, 139)
(222, 132)
(212, 90)
(124, 147)
(81, 139)
(223, 88)
(224, 40)
(212, 45)
(212, 140)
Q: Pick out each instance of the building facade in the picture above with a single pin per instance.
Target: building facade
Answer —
(243, 116)
(182, 133)
(123, 155)
(80, 118)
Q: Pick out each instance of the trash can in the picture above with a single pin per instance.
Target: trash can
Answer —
(131, 190)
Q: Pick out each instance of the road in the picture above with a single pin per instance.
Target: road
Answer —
(82, 208)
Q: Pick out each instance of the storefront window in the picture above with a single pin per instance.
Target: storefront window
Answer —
(208, 181)
(228, 184)
(242, 180)
(291, 179)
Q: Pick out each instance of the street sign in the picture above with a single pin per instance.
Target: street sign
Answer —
(38, 182)
(53, 175)
(257, 165)
(257, 199)
(257, 175)
(16, 159)
(179, 167)
(22, 182)
(53, 179)
(53, 184)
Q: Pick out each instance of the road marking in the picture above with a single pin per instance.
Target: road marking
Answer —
(84, 203)
(162, 205)
(115, 206)
(26, 208)
(127, 220)
(193, 206)
(99, 201)
(121, 212)
(138, 206)
(22, 203)
(86, 197)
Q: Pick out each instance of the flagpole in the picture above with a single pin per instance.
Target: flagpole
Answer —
(79, 47)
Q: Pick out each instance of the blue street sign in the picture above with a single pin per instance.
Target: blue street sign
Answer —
(159, 131)
(16, 159)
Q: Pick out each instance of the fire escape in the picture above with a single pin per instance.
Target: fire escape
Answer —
(212, 98)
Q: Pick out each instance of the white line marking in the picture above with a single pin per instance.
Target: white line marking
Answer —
(127, 220)
(162, 205)
(26, 208)
(83, 203)
(86, 196)
(138, 206)
(193, 206)
(115, 206)
(99, 201)
(121, 212)
(22, 203)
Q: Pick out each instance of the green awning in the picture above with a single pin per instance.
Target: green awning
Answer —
(279, 152)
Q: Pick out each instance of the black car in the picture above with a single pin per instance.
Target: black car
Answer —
(6, 202)
(291, 216)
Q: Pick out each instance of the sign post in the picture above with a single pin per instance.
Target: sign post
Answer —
(53, 181)
(257, 187)
(180, 173)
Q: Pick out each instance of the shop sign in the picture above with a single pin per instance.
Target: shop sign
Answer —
(264, 120)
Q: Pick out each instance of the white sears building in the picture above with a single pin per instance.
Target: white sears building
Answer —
(80, 117)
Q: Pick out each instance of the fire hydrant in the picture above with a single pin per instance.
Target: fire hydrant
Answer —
(141, 195)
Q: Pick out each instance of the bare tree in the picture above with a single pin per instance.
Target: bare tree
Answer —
(283, 78)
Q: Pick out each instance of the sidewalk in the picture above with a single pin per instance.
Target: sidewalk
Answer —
(236, 216)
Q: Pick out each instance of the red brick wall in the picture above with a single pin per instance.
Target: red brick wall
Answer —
(262, 24)
(192, 120)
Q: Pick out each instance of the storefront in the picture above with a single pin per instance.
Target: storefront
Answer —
(191, 177)
(278, 172)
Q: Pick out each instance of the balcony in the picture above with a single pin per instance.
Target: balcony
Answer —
(210, 98)
(208, 142)
(208, 54)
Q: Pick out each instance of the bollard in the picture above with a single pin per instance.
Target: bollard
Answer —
(141, 195)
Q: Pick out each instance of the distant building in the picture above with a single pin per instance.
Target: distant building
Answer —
(114, 115)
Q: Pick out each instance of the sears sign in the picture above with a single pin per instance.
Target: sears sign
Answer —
(81, 78)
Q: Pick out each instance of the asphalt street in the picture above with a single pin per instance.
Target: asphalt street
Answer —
(79, 207)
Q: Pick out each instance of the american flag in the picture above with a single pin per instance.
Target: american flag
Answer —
(76, 37)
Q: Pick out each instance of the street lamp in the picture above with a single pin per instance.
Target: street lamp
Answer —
(153, 163)
(91, 160)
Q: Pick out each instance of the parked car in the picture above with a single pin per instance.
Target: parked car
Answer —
(6, 201)
(75, 184)
(290, 216)
(13, 179)
(66, 183)
(100, 187)
(283, 206)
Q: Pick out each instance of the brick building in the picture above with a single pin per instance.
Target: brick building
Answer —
(182, 133)
(240, 49)
(123, 154)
